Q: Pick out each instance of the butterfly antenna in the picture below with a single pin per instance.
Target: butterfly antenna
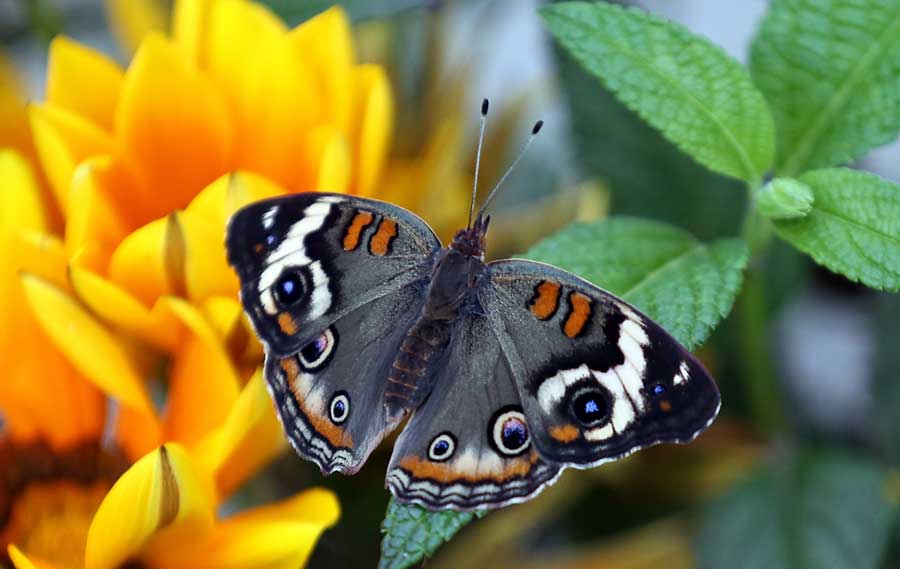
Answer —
(536, 129)
(484, 110)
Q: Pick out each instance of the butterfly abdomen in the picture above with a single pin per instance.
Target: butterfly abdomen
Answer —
(410, 377)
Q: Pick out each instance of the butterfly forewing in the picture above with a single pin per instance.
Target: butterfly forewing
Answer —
(598, 379)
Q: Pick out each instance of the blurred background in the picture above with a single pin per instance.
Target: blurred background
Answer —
(829, 351)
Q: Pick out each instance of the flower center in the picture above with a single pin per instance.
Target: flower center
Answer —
(52, 497)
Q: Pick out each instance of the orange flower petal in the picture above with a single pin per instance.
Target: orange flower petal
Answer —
(160, 493)
(373, 117)
(83, 81)
(115, 305)
(18, 558)
(94, 226)
(63, 139)
(175, 123)
(278, 536)
(326, 43)
(203, 384)
(270, 90)
(250, 437)
(91, 348)
(15, 132)
(137, 432)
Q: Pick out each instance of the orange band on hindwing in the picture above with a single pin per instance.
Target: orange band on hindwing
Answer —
(352, 236)
(545, 300)
(579, 314)
(380, 243)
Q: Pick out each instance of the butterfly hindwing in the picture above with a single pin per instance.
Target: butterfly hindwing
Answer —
(329, 395)
(305, 260)
(356, 269)
(468, 446)
(598, 379)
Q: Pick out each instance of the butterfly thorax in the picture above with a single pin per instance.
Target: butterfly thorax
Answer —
(451, 294)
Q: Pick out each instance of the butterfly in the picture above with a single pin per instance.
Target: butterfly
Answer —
(506, 372)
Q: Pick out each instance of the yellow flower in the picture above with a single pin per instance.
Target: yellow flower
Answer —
(62, 503)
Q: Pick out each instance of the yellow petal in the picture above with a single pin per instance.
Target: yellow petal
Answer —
(250, 437)
(83, 81)
(325, 42)
(63, 139)
(149, 262)
(206, 269)
(189, 28)
(116, 306)
(94, 226)
(91, 348)
(203, 384)
(271, 92)
(160, 492)
(18, 559)
(331, 161)
(21, 203)
(279, 536)
(175, 124)
(218, 201)
(131, 20)
(373, 120)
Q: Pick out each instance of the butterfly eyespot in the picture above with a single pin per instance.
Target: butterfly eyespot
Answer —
(590, 408)
(442, 447)
(289, 288)
(314, 355)
(659, 389)
(339, 409)
(509, 432)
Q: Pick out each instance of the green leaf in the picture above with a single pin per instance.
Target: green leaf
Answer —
(647, 175)
(412, 533)
(690, 89)
(829, 71)
(295, 11)
(823, 510)
(853, 227)
(684, 285)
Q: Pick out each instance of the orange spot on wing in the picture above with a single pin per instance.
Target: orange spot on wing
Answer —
(579, 314)
(287, 324)
(545, 300)
(565, 433)
(354, 231)
(380, 243)
(336, 436)
(665, 406)
(445, 473)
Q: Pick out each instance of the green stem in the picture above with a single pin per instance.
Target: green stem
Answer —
(762, 390)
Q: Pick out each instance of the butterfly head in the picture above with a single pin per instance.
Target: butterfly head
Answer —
(471, 240)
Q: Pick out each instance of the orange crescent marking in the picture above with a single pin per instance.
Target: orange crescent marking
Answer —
(336, 436)
(578, 316)
(287, 324)
(665, 406)
(565, 433)
(545, 300)
(381, 241)
(354, 231)
(444, 473)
